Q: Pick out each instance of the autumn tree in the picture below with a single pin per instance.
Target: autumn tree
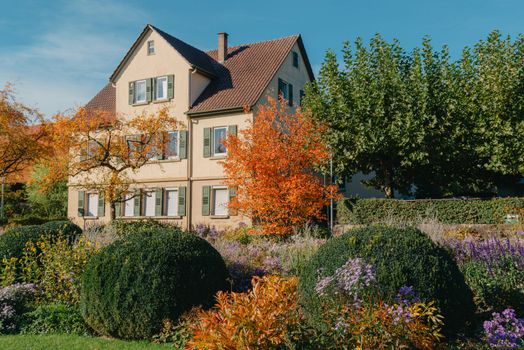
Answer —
(272, 165)
(102, 151)
(22, 137)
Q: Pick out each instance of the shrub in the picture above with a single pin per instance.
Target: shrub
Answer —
(122, 227)
(54, 318)
(401, 257)
(132, 285)
(15, 300)
(494, 270)
(27, 220)
(259, 319)
(449, 211)
(65, 229)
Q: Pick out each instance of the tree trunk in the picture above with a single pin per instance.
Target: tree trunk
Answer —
(113, 211)
(388, 182)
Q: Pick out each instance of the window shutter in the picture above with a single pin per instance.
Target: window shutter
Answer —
(207, 142)
(280, 87)
(232, 130)
(137, 203)
(206, 199)
(131, 92)
(101, 205)
(290, 93)
(158, 202)
(81, 201)
(170, 86)
(182, 201)
(232, 194)
(153, 88)
(118, 208)
(182, 148)
(149, 90)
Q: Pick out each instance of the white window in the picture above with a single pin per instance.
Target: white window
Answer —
(172, 145)
(220, 201)
(149, 203)
(140, 91)
(219, 135)
(161, 88)
(151, 47)
(92, 204)
(129, 205)
(171, 202)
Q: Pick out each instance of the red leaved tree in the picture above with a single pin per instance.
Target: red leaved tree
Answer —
(273, 165)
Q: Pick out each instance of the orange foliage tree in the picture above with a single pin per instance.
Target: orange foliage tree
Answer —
(272, 165)
(22, 137)
(102, 151)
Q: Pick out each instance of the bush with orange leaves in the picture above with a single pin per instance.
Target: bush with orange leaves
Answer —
(260, 319)
(273, 164)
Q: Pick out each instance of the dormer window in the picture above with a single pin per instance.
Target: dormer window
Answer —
(151, 47)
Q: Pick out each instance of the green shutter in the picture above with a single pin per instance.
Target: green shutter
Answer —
(118, 208)
(158, 202)
(182, 149)
(206, 200)
(232, 194)
(137, 203)
(153, 88)
(182, 201)
(101, 205)
(149, 89)
(290, 94)
(131, 92)
(81, 200)
(170, 86)
(232, 130)
(207, 142)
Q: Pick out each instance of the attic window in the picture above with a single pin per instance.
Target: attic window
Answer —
(151, 47)
(295, 59)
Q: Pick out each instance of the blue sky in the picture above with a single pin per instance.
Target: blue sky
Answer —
(59, 53)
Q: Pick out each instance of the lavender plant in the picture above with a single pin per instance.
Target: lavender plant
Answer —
(505, 330)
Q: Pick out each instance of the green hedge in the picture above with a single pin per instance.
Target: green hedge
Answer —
(448, 211)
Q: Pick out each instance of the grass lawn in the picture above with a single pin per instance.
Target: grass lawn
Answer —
(72, 342)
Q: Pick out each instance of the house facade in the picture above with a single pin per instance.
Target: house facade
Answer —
(213, 94)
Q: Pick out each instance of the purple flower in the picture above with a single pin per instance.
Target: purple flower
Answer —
(505, 330)
(406, 295)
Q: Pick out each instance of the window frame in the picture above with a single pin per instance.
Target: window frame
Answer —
(156, 79)
(165, 208)
(213, 200)
(166, 145)
(87, 210)
(135, 91)
(129, 197)
(148, 195)
(223, 154)
(151, 50)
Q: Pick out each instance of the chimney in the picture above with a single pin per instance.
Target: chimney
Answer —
(222, 47)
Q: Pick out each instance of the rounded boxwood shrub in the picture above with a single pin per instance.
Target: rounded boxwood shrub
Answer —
(13, 241)
(135, 283)
(400, 257)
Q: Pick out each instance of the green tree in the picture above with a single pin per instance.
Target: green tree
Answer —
(46, 200)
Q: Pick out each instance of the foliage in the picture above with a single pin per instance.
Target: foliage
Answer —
(178, 334)
(272, 165)
(449, 211)
(44, 200)
(400, 257)
(505, 330)
(404, 118)
(26, 220)
(259, 319)
(494, 270)
(54, 318)
(121, 227)
(92, 148)
(22, 135)
(152, 276)
(15, 300)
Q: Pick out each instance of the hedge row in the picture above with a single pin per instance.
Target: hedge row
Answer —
(448, 211)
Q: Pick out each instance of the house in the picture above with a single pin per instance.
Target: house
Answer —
(212, 93)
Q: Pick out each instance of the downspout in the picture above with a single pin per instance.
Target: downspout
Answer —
(189, 197)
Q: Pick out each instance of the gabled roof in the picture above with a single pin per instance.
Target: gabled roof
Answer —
(104, 100)
(245, 74)
(196, 58)
(236, 83)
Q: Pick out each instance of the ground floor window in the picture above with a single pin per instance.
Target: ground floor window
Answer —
(92, 204)
(149, 203)
(220, 201)
(171, 202)
(129, 205)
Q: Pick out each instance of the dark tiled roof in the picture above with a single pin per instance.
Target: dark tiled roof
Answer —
(244, 75)
(104, 100)
(193, 55)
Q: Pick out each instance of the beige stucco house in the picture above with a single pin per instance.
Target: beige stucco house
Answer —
(212, 93)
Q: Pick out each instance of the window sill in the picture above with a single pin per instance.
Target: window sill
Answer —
(91, 217)
(218, 157)
(174, 160)
(140, 104)
(149, 217)
(162, 100)
(219, 216)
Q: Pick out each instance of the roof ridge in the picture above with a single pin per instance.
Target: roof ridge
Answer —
(260, 42)
(174, 37)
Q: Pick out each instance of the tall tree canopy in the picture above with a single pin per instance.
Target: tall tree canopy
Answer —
(419, 123)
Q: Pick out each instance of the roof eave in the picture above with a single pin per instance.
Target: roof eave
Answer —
(215, 111)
